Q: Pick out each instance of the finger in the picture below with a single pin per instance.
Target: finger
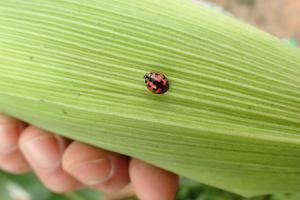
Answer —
(11, 159)
(124, 193)
(150, 182)
(43, 151)
(14, 162)
(97, 168)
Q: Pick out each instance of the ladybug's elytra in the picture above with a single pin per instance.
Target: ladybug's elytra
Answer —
(156, 82)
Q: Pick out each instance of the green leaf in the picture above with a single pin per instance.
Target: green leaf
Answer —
(231, 118)
(3, 190)
(82, 195)
(28, 183)
(32, 188)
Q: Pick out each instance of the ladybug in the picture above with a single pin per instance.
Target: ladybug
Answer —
(156, 82)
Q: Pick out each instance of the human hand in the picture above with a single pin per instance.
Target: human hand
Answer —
(63, 165)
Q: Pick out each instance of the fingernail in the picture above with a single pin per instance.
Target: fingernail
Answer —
(44, 151)
(8, 141)
(94, 172)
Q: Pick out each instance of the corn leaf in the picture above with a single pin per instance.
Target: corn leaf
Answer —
(230, 119)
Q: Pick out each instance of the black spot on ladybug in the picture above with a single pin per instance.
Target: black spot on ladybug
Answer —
(158, 86)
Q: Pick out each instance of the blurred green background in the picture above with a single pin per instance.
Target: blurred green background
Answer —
(277, 17)
(27, 187)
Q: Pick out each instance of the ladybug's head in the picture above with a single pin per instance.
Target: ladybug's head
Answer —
(147, 75)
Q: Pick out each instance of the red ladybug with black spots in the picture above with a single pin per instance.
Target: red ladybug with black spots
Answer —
(156, 82)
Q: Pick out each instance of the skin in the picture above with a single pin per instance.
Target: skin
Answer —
(63, 165)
